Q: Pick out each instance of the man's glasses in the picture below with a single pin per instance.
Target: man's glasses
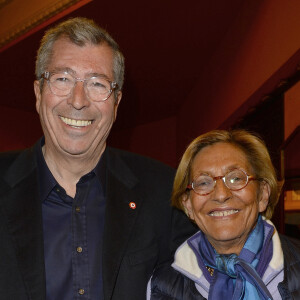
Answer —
(97, 88)
(235, 180)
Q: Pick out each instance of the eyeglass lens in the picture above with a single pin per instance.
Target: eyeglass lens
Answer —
(234, 180)
(97, 88)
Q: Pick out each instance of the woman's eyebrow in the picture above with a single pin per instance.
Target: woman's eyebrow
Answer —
(228, 169)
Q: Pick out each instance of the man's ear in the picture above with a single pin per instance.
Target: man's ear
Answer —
(117, 102)
(264, 196)
(187, 204)
(38, 95)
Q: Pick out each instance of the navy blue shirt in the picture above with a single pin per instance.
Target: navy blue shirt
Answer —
(73, 232)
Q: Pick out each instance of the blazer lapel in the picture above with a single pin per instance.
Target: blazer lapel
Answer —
(122, 207)
(24, 217)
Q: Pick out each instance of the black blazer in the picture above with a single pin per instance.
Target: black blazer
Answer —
(135, 240)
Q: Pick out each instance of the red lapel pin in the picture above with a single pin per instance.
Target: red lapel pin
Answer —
(132, 205)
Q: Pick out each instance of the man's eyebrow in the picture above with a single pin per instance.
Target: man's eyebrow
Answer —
(98, 75)
(63, 69)
(72, 72)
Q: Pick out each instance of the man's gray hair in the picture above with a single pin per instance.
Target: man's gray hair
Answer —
(79, 31)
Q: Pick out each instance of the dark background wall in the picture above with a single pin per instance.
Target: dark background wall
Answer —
(190, 67)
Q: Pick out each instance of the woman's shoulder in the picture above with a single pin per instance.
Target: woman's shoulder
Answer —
(291, 253)
(167, 283)
(164, 279)
(164, 275)
(290, 245)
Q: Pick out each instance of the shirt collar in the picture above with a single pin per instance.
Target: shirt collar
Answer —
(47, 181)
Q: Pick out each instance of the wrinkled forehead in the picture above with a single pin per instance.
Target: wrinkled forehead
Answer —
(87, 58)
(218, 159)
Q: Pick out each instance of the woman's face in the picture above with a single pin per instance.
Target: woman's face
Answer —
(226, 217)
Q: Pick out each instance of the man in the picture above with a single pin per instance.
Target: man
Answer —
(79, 220)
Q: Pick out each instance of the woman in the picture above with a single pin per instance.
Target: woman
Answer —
(227, 185)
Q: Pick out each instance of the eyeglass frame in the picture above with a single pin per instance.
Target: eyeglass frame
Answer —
(190, 186)
(46, 76)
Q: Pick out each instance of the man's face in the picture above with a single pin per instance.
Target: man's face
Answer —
(74, 124)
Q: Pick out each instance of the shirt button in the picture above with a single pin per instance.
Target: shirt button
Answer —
(81, 291)
(77, 209)
(79, 249)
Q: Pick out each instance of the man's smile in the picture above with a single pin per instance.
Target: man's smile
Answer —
(76, 123)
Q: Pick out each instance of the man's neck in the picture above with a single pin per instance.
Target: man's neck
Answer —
(68, 169)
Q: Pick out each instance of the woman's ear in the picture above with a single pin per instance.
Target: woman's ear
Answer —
(186, 202)
(264, 196)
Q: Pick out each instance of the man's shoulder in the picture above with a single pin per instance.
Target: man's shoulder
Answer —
(15, 165)
(140, 162)
(7, 158)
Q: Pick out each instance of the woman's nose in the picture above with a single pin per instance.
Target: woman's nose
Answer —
(221, 191)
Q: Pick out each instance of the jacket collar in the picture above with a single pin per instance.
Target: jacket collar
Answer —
(21, 168)
(123, 203)
(22, 209)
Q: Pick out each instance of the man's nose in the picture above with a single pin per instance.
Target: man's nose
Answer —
(78, 98)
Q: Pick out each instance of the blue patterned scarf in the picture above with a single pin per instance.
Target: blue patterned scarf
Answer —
(239, 277)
